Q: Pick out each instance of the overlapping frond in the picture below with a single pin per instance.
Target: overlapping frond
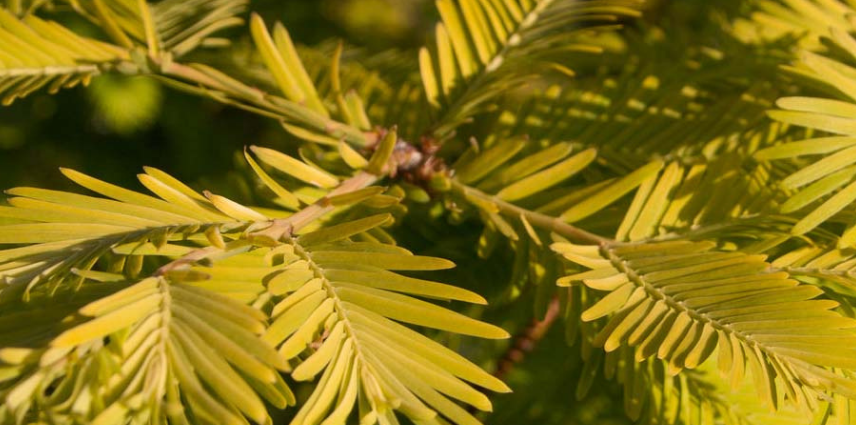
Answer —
(484, 47)
(644, 114)
(59, 232)
(831, 268)
(681, 300)
(523, 193)
(234, 297)
(724, 196)
(364, 91)
(820, 183)
(42, 53)
(175, 332)
(190, 334)
(541, 180)
(37, 54)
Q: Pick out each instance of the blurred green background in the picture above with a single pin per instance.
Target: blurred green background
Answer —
(117, 124)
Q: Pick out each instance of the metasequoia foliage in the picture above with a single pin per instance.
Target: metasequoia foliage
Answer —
(690, 222)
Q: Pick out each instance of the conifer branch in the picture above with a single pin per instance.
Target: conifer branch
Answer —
(537, 219)
(279, 228)
(291, 225)
(225, 89)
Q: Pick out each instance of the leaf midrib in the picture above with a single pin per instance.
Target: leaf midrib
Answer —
(331, 294)
(679, 306)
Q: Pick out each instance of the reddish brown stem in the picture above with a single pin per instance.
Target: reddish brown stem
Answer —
(526, 340)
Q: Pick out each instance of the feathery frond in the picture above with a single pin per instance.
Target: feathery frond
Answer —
(681, 300)
(348, 290)
(652, 395)
(59, 233)
(654, 205)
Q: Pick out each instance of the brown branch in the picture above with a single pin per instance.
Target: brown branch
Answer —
(537, 219)
(187, 259)
(282, 226)
(527, 339)
(292, 224)
(230, 91)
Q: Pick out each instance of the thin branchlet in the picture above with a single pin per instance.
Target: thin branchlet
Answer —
(526, 341)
